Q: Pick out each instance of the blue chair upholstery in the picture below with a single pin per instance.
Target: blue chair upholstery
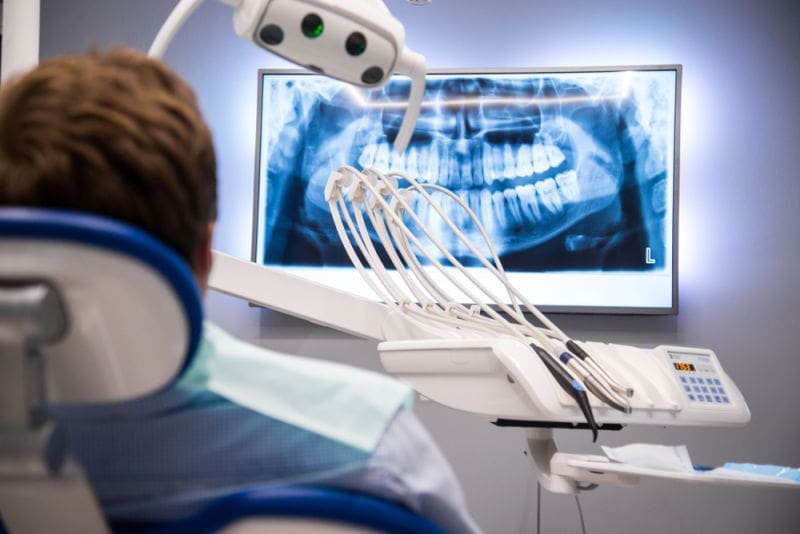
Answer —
(341, 507)
(115, 271)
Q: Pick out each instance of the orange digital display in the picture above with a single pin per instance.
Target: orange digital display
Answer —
(680, 366)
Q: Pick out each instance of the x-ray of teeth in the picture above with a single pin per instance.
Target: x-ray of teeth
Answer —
(566, 171)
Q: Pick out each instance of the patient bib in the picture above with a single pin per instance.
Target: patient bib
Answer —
(349, 405)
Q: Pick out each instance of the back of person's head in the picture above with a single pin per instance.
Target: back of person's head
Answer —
(116, 134)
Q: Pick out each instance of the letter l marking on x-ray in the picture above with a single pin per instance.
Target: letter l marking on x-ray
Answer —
(648, 256)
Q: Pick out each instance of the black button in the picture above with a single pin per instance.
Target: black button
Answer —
(372, 75)
(356, 44)
(271, 34)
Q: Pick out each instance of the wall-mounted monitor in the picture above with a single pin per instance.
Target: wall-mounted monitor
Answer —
(573, 172)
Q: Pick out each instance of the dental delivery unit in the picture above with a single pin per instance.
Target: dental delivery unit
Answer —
(487, 358)
(498, 356)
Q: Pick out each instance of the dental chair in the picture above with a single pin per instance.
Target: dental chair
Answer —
(94, 312)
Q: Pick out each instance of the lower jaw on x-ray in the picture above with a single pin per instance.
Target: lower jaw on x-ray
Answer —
(570, 173)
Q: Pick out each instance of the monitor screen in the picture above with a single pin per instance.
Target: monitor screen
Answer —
(573, 173)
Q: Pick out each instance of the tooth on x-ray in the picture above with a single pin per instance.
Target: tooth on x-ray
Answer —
(540, 159)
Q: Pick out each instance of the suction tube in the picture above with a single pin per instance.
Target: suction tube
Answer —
(412, 65)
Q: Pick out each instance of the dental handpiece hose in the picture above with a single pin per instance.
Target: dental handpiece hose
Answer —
(570, 385)
(597, 385)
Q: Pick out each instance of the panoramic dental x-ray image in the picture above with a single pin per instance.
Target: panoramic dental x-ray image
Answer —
(567, 171)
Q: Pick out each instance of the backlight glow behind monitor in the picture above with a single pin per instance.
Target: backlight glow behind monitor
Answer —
(573, 173)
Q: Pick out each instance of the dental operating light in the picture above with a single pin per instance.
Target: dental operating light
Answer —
(358, 41)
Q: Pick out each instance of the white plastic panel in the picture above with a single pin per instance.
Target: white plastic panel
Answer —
(127, 332)
(600, 470)
(298, 297)
(467, 375)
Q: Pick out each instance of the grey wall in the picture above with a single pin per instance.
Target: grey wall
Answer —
(739, 217)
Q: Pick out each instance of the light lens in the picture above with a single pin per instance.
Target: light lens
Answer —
(372, 75)
(356, 44)
(312, 26)
(272, 34)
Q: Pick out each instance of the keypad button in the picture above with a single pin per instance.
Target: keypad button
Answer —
(691, 397)
(725, 399)
(693, 380)
(708, 398)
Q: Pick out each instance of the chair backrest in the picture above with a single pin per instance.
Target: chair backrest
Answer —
(92, 311)
(132, 308)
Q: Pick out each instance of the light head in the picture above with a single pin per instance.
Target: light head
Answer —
(356, 41)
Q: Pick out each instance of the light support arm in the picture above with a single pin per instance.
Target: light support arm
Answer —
(176, 19)
(412, 65)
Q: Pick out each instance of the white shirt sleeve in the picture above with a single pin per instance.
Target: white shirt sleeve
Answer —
(408, 468)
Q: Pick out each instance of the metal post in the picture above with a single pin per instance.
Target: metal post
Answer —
(20, 36)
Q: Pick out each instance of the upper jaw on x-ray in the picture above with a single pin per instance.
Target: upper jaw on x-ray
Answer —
(545, 163)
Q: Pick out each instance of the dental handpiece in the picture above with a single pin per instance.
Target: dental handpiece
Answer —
(576, 349)
(571, 386)
(593, 384)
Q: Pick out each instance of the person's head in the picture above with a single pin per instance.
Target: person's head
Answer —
(116, 134)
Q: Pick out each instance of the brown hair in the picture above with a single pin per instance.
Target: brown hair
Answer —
(117, 134)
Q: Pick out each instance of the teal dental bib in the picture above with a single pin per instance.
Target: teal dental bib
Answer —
(346, 404)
